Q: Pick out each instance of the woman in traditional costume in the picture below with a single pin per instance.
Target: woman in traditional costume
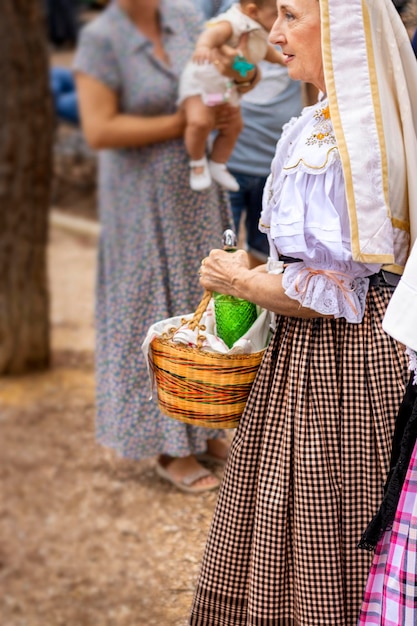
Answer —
(311, 455)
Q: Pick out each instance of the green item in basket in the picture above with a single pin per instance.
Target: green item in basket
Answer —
(234, 316)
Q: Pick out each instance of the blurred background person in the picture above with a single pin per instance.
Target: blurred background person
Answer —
(62, 18)
(265, 109)
(209, 8)
(154, 229)
(202, 86)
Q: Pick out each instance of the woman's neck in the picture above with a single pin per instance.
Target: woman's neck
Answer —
(143, 13)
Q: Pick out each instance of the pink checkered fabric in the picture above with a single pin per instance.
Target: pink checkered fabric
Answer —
(391, 592)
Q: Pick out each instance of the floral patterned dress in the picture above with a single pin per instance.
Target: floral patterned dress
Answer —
(155, 230)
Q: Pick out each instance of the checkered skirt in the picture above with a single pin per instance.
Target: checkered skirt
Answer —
(304, 477)
(390, 597)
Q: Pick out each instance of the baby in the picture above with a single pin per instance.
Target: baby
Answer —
(202, 87)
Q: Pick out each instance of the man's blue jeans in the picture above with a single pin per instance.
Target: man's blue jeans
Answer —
(249, 199)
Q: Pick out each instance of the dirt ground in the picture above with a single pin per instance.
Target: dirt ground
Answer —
(86, 539)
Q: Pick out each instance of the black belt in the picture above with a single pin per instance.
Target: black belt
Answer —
(384, 279)
(289, 259)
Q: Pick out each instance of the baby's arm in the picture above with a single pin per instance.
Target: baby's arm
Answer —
(213, 37)
(273, 56)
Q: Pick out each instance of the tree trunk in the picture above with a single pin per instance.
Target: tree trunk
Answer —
(26, 133)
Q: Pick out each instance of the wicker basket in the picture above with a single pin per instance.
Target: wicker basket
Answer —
(198, 387)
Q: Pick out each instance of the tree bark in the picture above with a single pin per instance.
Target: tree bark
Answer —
(26, 131)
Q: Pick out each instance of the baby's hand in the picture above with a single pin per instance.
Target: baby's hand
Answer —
(202, 55)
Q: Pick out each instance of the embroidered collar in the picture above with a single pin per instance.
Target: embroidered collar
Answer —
(323, 129)
(315, 148)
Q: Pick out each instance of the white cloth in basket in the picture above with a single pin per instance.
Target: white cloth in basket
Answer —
(254, 340)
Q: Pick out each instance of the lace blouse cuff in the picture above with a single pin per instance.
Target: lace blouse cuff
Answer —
(329, 292)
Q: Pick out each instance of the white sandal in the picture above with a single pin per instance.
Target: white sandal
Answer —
(200, 182)
(186, 483)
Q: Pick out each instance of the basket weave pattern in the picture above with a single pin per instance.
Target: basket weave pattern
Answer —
(202, 388)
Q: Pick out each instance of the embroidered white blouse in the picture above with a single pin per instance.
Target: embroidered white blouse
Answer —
(305, 216)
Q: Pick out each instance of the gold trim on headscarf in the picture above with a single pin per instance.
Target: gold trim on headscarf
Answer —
(363, 42)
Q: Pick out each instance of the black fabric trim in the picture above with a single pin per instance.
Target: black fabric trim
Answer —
(384, 279)
(405, 436)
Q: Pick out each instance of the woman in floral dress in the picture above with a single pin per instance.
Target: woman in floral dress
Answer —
(155, 230)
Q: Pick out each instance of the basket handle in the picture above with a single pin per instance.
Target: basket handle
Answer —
(198, 314)
(194, 321)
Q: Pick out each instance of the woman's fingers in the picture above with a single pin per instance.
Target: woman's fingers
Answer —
(224, 114)
(220, 268)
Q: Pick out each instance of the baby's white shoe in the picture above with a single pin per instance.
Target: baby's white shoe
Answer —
(199, 182)
(221, 175)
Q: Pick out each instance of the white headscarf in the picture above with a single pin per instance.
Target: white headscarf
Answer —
(371, 80)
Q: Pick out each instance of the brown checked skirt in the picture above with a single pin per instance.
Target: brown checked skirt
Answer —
(304, 477)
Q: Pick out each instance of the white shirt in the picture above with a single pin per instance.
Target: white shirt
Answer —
(305, 216)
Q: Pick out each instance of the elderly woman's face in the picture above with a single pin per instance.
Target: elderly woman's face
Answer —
(297, 31)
